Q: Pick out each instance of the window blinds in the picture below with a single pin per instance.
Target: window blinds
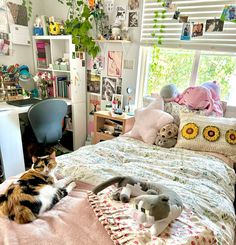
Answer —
(198, 11)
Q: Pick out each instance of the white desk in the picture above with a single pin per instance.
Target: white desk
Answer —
(10, 139)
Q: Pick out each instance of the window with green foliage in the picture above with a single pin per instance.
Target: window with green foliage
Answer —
(167, 66)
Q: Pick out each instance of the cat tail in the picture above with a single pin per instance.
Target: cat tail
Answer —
(22, 215)
(107, 183)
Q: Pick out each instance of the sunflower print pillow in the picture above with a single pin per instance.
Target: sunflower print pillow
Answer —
(212, 134)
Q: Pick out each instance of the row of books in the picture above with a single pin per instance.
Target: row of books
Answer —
(61, 87)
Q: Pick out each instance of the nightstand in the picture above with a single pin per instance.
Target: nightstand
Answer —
(107, 127)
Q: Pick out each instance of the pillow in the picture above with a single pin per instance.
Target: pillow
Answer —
(175, 109)
(148, 121)
(211, 134)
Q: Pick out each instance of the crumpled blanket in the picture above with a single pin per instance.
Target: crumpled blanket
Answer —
(114, 216)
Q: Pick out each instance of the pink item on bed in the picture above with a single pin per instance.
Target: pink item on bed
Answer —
(71, 221)
(214, 89)
(148, 121)
(199, 98)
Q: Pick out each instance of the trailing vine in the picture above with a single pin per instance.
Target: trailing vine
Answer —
(159, 28)
(78, 24)
(29, 6)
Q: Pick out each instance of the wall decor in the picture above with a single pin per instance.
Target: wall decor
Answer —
(93, 82)
(118, 85)
(96, 65)
(133, 19)
(133, 4)
(186, 31)
(108, 6)
(229, 13)
(197, 30)
(176, 15)
(108, 88)
(214, 25)
(114, 67)
(120, 13)
(19, 14)
(4, 44)
(183, 19)
(117, 101)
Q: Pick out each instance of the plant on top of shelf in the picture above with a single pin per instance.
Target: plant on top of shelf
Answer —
(78, 24)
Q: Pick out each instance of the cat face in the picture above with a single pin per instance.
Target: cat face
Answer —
(44, 164)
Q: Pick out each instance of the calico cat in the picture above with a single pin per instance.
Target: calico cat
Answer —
(35, 191)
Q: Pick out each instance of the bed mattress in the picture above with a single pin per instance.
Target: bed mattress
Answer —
(205, 183)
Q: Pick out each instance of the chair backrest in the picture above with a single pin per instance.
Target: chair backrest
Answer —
(46, 120)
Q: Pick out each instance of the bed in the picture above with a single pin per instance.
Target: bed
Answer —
(204, 182)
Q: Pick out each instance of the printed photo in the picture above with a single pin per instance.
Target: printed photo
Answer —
(118, 85)
(183, 19)
(186, 31)
(133, 19)
(229, 13)
(120, 13)
(133, 4)
(96, 65)
(117, 101)
(108, 6)
(94, 103)
(197, 30)
(108, 88)
(176, 15)
(213, 25)
(93, 83)
(114, 67)
(167, 3)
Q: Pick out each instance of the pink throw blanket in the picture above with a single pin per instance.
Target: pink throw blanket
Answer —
(70, 222)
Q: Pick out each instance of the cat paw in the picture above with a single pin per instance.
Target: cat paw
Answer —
(71, 186)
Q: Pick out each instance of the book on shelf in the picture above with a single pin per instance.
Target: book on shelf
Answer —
(62, 87)
(43, 54)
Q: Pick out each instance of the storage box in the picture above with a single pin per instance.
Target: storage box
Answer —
(56, 67)
(64, 67)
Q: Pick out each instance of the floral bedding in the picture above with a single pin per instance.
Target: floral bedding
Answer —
(205, 183)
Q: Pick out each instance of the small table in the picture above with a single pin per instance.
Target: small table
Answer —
(104, 123)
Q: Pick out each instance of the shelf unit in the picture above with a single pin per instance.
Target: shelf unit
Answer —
(58, 46)
(125, 121)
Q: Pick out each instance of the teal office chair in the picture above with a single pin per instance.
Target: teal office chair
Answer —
(46, 119)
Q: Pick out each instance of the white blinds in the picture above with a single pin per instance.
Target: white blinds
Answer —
(198, 11)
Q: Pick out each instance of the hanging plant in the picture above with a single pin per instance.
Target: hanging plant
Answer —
(159, 28)
(78, 24)
(28, 4)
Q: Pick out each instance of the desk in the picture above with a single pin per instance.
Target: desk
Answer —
(11, 148)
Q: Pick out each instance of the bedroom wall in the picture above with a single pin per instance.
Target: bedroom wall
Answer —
(23, 54)
(130, 51)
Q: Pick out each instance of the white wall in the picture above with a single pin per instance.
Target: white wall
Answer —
(22, 54)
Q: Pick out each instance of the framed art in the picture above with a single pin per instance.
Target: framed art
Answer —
(117, 101)
(114, 67)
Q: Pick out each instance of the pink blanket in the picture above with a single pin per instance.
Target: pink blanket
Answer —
(71, 221)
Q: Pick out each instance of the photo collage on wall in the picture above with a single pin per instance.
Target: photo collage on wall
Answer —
(191, 29)
(133, 15)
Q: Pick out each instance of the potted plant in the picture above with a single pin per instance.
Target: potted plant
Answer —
(78, 24)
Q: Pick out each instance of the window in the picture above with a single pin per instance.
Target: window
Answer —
(186, 67)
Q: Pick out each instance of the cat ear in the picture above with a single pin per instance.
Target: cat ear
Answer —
(34, 159)
(52, 155)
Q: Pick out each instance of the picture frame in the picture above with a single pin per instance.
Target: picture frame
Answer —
(114, 67)
(117, 101)
(108, 88)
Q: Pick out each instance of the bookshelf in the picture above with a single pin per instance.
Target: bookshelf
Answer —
(58, 47)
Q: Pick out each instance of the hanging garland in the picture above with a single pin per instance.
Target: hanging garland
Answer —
(28, 4)
(159, 28)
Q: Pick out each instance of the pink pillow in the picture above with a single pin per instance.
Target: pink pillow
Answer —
(148, 122)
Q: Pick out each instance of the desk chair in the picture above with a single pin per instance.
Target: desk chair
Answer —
(46, 118)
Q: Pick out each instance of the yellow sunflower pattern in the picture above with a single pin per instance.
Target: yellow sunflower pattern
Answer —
(230, 136)
(211, 133)
(190, 131)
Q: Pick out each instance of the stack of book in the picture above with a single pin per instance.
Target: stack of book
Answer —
(43, 54)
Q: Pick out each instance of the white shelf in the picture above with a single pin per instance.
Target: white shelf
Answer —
(63, 71)
(59, 37)
(44, 69)
(52, 70)
(112, 41)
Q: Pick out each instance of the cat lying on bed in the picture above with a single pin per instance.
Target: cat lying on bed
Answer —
(35, 191)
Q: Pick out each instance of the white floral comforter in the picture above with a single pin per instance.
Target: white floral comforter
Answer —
(204, 182)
